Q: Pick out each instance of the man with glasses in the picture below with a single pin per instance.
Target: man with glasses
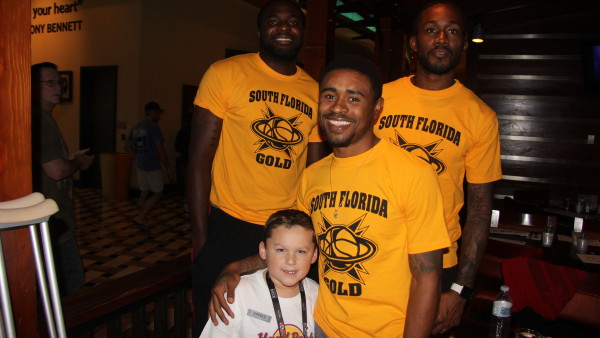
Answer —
(53, 170)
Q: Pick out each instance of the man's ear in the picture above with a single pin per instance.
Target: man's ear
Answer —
(262, 251)
(412, 42)
(377, 109)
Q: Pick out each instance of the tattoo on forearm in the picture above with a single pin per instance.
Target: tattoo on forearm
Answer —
(475, 232)
(248, 266)
(426, 262)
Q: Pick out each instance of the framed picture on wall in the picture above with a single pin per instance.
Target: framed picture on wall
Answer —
(67, 84)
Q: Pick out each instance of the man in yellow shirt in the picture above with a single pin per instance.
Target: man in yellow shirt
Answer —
(378, 218)
(254, 126)
(436, 118)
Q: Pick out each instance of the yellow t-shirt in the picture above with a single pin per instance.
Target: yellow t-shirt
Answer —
(389, 206)
(452, 130)
(268, 119)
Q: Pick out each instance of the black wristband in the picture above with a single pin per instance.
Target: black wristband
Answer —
(463, 291)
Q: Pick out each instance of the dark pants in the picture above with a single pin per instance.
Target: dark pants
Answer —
(319, 332)
(229, 239)
(69, 268)
(70, 273)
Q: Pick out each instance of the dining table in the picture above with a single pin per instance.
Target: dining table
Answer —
(517, 239)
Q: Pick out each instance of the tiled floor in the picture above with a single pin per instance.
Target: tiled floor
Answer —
(112, 246)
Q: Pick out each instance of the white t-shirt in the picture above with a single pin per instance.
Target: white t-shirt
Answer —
(254, 314)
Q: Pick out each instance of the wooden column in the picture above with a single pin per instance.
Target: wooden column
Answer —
(319, 36)
(399, 52)
(383, 47)
(390, 50)
(15, 154)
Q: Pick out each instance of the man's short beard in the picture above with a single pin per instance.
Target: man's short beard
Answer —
(342, 143)
(285, 54)
(437, 68)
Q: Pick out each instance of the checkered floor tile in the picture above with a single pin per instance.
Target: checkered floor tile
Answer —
(112, 245)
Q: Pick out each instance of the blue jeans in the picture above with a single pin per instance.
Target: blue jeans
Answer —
(319, 332)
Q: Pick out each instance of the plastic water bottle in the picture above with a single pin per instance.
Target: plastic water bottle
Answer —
(500, 326)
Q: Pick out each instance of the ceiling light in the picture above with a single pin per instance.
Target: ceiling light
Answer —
(477, 35)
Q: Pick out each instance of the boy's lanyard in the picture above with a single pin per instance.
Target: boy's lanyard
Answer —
(277, 307)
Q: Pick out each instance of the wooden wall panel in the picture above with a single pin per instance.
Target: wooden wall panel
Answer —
(544, 106)
(546, 17)
(581, 175)
(518, 44)
(504, 65)
(539, 127)
(531, 74)
(517, 86)
(556, 192)
(553, 151)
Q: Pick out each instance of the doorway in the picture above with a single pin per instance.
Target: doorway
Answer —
(97, 118)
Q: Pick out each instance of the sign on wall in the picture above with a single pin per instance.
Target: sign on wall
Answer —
(56, 9)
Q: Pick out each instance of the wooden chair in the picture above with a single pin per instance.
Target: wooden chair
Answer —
(489, 277)
(584, 307)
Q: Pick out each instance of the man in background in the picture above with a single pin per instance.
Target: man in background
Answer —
(255, 115)
(146, 143)
(53, 170)
(435, 117)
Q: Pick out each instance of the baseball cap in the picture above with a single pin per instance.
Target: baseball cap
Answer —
(153, 106)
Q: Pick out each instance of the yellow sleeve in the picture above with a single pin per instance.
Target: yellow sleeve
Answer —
(482, 163)
(426, 226)
(211, 93)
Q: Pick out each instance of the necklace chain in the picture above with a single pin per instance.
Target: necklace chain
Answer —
(336, 207)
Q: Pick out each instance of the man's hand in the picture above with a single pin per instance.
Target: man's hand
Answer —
(83, 161)
(449, 313)
(226, 283)
(474, 241)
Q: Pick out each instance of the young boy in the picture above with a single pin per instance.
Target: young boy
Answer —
(278, 300)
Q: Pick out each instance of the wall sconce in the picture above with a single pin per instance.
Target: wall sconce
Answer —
(477, 35)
